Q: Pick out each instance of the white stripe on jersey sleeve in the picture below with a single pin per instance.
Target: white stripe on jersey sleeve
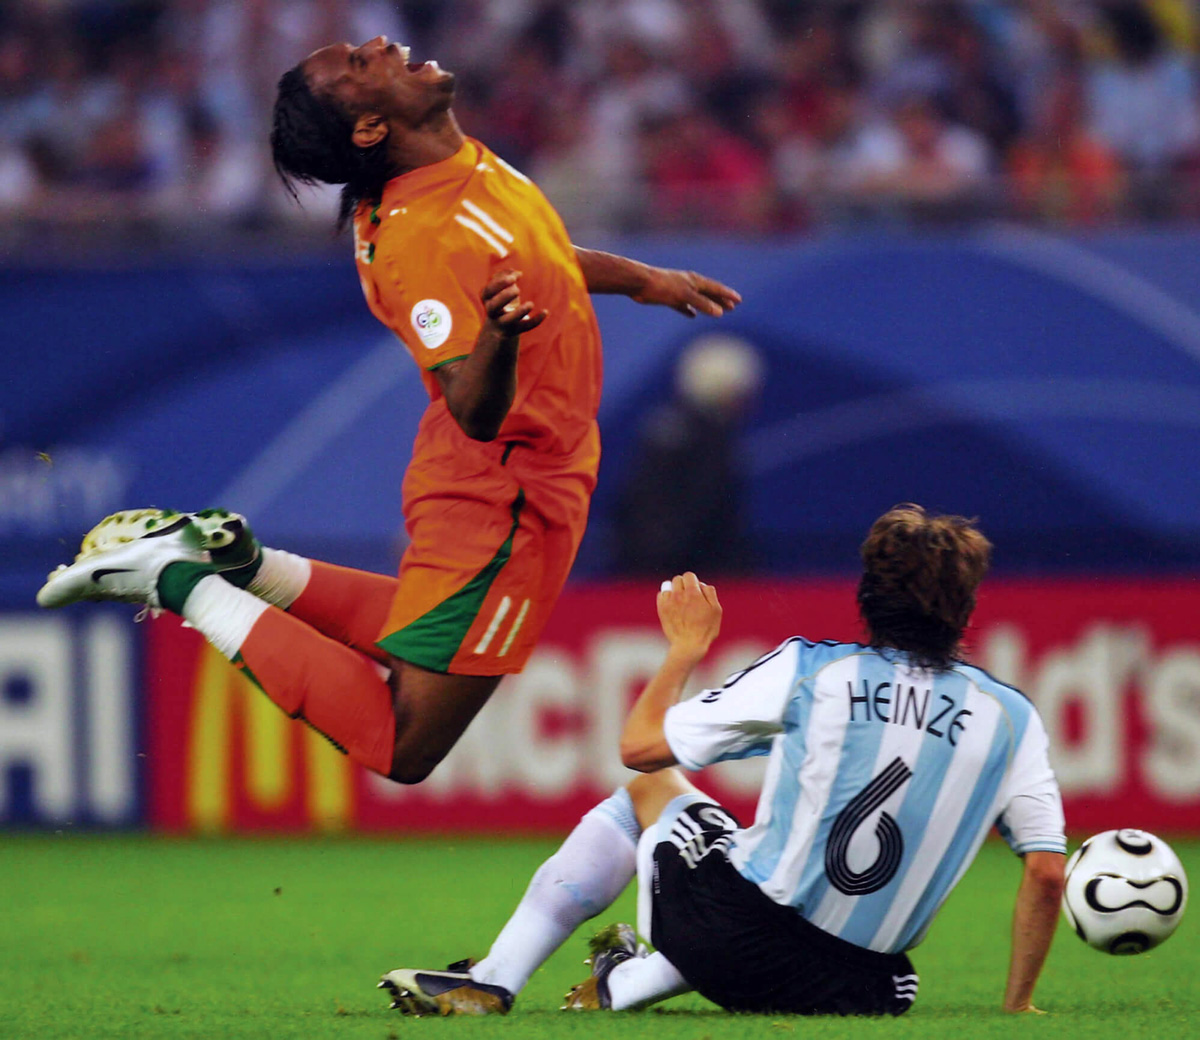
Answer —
(487, 236)
(740, 718)
(478, 211)
(514, 171)
(1032, 817)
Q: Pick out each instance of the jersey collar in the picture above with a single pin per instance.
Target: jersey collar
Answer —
(417, 182)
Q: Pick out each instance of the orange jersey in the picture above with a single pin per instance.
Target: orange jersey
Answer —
(493, 527)
(424, 255)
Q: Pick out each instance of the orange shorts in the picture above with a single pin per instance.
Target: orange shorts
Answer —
(486, 560)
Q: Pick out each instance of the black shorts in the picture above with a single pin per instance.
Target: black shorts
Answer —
(741, 949)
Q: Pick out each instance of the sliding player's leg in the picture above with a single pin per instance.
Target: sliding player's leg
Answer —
(622, 978)
(587, 873)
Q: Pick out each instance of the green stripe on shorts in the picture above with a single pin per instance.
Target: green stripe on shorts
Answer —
(432, 640)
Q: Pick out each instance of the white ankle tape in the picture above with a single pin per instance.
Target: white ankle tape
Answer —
(281, 578)
(222, 614)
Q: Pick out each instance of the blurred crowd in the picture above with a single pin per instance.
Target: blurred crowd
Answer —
(736, 116)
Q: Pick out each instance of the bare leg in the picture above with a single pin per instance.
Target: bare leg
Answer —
(432, 710)
(652, 792)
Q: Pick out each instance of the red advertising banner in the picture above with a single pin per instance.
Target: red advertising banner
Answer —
(1113, 666)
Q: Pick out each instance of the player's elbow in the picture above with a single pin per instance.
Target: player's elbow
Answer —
(1046, 872)
(645, 755)
(633, 757)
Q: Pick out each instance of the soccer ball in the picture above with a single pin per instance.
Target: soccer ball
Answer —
(1126, 891)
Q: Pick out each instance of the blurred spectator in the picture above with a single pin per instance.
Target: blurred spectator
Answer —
(814, 167)
(918, 163)
(1061, 172)
(18, 177)
(683, 503)
(904, 45)
(698, 174)
(565, 168)
(635, 88)
(747, 116)
(979, 96)
(521, 100)
(1144, 101)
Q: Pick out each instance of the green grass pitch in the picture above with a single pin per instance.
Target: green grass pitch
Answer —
(119, 936)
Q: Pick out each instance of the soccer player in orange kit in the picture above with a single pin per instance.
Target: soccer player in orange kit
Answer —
(465, 260)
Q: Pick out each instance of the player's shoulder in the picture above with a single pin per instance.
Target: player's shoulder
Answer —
(814, 655)
(986, 681)
(488, 162)
(422, 238)
(1011, 698)
(803, 656)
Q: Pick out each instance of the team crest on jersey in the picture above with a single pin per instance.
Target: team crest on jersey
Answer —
(431, 321)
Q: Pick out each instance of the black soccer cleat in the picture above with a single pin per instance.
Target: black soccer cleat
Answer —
(609, 947)
(417, 992)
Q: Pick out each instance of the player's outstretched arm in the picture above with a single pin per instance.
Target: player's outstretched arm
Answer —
(684, 291)
(690, 614)
(1034, 920)
(479, 389)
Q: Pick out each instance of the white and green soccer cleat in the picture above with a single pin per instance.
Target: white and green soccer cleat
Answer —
(123, 557)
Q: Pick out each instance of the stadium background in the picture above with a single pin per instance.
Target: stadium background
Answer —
(973, 326)
(965, 233)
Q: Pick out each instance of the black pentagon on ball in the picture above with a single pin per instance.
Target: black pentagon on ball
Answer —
(1134, 842)
(1129, 943)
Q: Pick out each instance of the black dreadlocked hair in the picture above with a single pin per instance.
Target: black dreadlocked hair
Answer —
(311, 141)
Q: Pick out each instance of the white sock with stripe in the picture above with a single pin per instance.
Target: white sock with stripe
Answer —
(590, 869)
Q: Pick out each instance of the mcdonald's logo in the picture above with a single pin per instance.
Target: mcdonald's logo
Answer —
(248, 765)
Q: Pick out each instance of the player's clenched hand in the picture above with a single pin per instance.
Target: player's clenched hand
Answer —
(687, 292)
(690, 614)
(505, 309)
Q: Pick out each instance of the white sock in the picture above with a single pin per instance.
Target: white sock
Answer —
(588, 872)
(641, 981)
(281, 577)
(222, 613)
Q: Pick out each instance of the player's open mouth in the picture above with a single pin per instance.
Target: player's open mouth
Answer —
(404, 54)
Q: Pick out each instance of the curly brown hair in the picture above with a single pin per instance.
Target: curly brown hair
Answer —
(920, 573)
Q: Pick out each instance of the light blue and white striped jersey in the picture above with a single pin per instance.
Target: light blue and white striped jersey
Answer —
(882, 783)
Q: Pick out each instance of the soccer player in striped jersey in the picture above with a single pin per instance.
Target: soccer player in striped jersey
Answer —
(889, 763)
(462, 257)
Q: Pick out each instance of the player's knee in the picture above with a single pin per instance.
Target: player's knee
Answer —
(408, 770)
(650, 792)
